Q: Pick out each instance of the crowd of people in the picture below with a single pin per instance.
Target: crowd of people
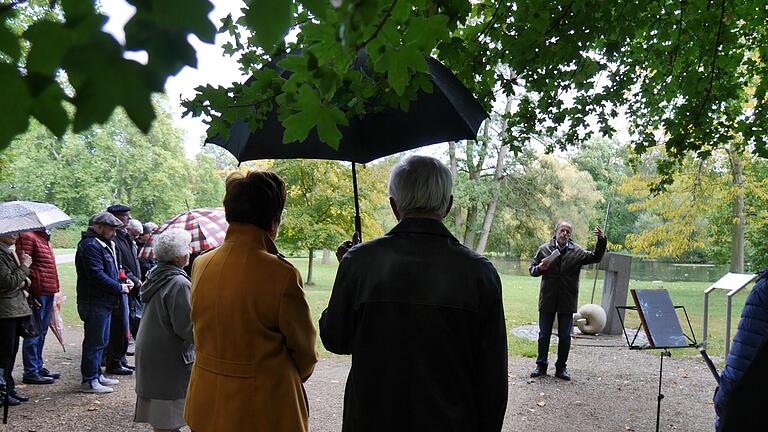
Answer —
(227, 344)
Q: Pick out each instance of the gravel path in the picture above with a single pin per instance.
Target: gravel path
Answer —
(613, 390)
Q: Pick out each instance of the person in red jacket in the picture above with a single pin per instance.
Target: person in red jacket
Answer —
(45, 283)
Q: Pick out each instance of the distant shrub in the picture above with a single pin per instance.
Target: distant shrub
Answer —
(68, 236)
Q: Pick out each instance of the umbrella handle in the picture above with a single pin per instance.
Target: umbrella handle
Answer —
(358, 222)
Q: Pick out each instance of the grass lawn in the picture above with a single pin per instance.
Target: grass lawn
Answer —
(520, 303)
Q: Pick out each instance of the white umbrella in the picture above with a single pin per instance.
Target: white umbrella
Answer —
(19, 216)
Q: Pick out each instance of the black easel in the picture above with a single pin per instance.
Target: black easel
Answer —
(664, 353)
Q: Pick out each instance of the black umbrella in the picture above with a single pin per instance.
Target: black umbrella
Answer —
(449, 113)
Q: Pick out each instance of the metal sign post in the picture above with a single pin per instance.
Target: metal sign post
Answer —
(733, 283)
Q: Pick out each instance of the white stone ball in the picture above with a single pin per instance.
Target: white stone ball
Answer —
(594, 316)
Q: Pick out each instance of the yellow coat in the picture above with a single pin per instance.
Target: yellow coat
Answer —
(254, 338)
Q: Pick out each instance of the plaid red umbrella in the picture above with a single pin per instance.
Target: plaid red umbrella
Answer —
(208, 227)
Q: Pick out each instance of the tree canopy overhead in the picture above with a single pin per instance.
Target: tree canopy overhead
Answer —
(687, 72)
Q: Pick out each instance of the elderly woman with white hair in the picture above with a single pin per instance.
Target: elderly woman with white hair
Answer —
(165, 345)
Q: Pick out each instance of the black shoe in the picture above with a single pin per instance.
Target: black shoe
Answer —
(119, 371)
(127, 366)
(46, 373)
(129, 353)
(563, 374)
(539, 371)
(18, 396)
(12, 401)
(36, 379)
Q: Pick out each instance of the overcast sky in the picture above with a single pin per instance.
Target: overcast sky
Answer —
(212, 66)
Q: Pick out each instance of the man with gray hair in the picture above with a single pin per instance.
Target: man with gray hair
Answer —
(422, 316)
(558, 262)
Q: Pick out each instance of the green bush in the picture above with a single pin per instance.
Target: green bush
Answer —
(67, 236)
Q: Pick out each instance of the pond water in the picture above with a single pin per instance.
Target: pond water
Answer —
(644, 270)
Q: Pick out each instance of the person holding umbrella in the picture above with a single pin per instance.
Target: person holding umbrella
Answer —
(254, 338)
(14, 278)
(422, 316)
(45, 285)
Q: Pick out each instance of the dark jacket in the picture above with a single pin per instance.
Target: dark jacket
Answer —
(126, 255)
(97, 279)
(423, 318)
(747, 400)
(752, 333)
(559, 289)
(42, 272)
(165, 351)
(13, 304)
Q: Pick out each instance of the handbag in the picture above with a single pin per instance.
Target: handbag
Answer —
(31, 326)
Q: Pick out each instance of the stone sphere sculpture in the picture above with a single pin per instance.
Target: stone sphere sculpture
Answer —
(590, 319)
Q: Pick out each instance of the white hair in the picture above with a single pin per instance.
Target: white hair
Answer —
(135, 224)
(421, 184)
(172, 243)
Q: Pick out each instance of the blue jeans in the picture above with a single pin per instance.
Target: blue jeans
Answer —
(32, 351)
(564, 324)
(96, 318)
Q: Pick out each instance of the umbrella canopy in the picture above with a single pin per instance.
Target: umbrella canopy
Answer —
(208, 227)
(449, 113)
(20, 216)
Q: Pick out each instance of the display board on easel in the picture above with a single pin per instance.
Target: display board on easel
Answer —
(659, 318)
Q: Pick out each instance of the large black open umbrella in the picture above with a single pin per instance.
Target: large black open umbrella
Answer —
(449, 113)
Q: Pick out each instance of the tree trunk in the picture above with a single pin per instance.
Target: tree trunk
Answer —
(457, 215)
(491, 211)
(309, 270)
(498, 175)
(737, 206)
(469, 230)
(326, 257)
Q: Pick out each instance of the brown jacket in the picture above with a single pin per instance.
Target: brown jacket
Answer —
(254, 338)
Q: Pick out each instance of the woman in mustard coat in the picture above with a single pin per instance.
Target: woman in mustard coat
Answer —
(254, 337)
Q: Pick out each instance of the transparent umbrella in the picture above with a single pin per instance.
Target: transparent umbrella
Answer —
(19, 216)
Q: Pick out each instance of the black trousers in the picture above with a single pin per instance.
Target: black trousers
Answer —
(9, 347)
(118, 342)
(564, 324)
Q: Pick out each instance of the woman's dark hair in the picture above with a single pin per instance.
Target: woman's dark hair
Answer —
(256, 198)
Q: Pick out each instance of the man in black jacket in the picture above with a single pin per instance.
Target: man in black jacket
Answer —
(120, 328)
(559, 263)
(422, 316)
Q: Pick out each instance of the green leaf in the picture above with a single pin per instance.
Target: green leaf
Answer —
(47, 107)
(9, 43)
(395, 63)
(317, 7)
(77, 10)
(14, 105)
(50, 41)
(269, 20)
(313, 113)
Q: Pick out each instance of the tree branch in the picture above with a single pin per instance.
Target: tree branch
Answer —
(380, 26)
(257, 103)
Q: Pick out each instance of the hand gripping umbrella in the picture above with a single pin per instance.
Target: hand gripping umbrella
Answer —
(449, 113)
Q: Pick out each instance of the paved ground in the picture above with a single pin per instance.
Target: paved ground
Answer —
(613, 390)
(65, 258)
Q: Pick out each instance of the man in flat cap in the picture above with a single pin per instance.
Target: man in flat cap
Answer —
(98, 291)
(121, 328)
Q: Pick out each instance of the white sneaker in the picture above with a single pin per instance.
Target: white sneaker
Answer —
(94, 386)
(107, 381)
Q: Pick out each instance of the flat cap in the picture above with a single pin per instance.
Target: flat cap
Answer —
(118, 208)
(106, 218)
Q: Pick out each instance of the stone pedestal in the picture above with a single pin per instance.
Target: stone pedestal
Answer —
(615, 289)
